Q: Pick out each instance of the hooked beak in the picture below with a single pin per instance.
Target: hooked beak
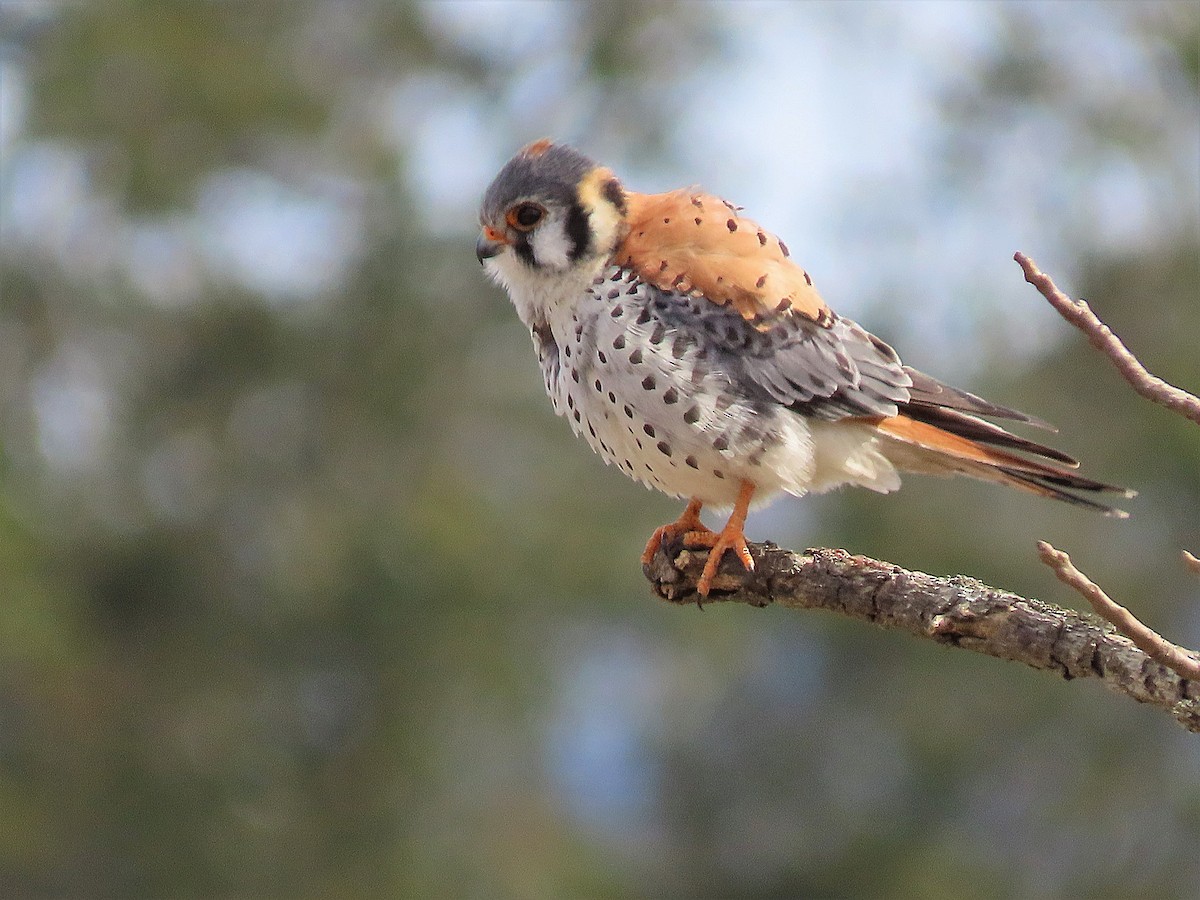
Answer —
(490, 244)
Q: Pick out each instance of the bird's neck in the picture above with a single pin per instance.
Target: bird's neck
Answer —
(543, 298)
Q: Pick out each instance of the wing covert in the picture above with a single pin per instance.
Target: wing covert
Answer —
(830, 371)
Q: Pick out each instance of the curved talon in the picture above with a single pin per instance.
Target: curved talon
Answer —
(727, 539)
(697, 534)
(688, 523)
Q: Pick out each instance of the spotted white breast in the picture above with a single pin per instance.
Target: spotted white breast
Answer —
(651, 380)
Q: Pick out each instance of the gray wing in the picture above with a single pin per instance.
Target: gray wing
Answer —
(828, 371)
(840, 370)
(844, 371)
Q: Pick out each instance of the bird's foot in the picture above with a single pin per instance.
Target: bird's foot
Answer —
(729, 538)
(688, 524)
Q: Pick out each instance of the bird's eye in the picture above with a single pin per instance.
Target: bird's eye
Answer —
(524, 216)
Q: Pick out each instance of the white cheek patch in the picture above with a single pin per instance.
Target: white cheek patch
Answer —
(551, 245)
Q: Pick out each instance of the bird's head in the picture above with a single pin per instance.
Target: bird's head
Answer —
(550, 213)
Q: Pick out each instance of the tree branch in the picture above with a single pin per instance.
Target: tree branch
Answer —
(1146, 638)
(1079, 314)
(1131, 658)
(957, 611)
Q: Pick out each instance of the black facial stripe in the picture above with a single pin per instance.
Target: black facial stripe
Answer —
(614, 194)
(524, 249)
(578, 230)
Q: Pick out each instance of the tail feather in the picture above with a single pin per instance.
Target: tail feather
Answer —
(976, 429)
(1052, 488)
(927, 393)
(952, 442)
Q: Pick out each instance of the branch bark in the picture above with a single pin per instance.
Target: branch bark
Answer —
(1157, 647)
(1129, 658)
(956, 611)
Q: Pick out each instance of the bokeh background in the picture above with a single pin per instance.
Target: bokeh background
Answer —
(305, 592)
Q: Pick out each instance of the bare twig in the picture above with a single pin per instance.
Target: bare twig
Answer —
(1153, 644)
(1191, 562)
(956, 611)
(1079, 314)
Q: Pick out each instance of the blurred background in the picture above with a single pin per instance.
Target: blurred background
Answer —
(304, 591)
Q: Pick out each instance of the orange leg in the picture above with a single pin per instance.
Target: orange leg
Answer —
(731, 537)
(688, 524)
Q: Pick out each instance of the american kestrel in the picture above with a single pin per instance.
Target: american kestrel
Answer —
(688, 349)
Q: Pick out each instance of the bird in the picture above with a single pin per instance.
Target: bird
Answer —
(688, 348)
